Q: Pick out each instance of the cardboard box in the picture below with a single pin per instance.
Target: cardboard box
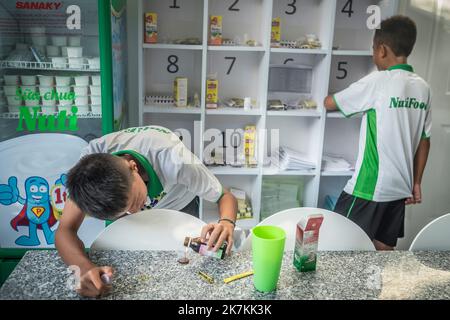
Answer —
(151, 27)
(180, 91)
(215, 30)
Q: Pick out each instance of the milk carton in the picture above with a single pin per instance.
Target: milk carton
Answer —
(180, 88)
(151, 27)
(307, 239)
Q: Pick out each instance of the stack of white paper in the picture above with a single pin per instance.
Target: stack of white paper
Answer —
(335, 163)
(288, 159)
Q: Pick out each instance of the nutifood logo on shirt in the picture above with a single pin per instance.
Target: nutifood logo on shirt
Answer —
(409, 103)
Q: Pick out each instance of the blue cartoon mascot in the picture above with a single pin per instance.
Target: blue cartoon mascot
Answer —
(37, 212)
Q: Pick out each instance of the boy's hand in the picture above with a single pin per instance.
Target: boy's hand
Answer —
(417, 195)
(217, 233)
(91, 284)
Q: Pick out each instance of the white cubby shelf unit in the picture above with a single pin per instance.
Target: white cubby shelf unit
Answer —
(244, 71)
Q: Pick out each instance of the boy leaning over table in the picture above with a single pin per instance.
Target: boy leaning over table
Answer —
(124, 172)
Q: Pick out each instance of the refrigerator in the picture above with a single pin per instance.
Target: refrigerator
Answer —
(62, 83)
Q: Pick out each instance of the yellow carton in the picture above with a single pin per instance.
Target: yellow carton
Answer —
(180, 91)
(212, 93)
(250, 146)
(215, 30)
(151, 27)
(276, 32)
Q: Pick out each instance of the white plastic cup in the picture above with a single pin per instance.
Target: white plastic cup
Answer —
(62, 81)
(96, 100)
(45, 90)
(81, 80)
(94, 63)
(80, 91)
(28, 80)
(59, 62)
(95, 90)
(74, 52)
(32, 103)
(46, 81)
(11, 80)
(96, 80)
(76, 63)
(62, 90)
(13, 109)
(13, 101)
(10, 90)
(81, 101)
(82, 109)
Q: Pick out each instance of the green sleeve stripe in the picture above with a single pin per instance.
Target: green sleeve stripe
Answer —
(424, 136)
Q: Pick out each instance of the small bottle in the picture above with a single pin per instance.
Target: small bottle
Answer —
(202, 248)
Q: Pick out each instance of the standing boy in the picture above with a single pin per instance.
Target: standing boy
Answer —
(395, 136)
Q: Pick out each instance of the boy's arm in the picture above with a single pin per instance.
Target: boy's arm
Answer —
(420, 161)
(71, 250)
(330, 104)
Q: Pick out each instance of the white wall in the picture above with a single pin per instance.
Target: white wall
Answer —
(432, 61)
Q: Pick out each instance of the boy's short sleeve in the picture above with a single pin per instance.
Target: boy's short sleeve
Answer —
(358, 97)
(200, 181)
(426, 133)
(188, 170)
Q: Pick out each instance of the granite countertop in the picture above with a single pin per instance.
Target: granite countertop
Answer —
(157, 275)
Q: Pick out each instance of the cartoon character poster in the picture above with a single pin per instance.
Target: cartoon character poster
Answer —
(33, 192)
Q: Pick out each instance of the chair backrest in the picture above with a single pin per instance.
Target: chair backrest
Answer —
(156, 229)
(337, 233)
(434, 236)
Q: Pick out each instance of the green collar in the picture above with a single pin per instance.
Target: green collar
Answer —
(154, 186)
(405, 67)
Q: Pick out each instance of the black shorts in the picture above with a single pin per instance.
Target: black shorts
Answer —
(382, 221)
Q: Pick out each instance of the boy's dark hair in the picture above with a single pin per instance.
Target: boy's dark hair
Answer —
(399, 33)
(99, 185)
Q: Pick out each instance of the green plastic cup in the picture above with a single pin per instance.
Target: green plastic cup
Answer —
(267, 247)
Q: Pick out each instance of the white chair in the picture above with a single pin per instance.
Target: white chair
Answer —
(434, 236)
(337, 233)
(156, 229)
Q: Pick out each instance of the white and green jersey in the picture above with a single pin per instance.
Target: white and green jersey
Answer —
(397, 113)
(176, 176)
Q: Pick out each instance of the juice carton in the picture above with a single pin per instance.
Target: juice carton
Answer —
(180, 88)
(215, 30)
(307, 239)
(212, 95)
(151, 27)
(250, 146)
(276, 32)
